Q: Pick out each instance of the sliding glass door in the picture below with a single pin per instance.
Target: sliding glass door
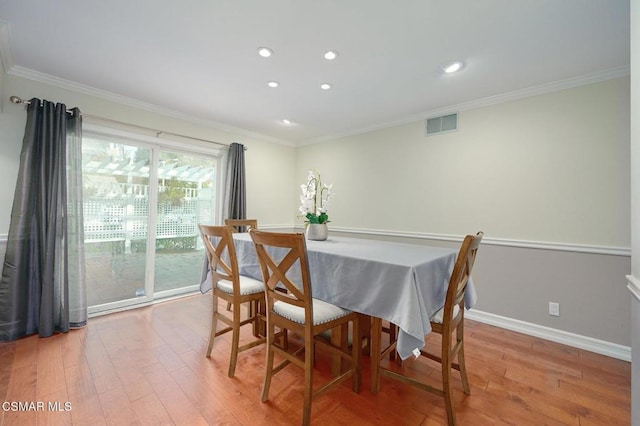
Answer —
(186, 197)
(142, 204)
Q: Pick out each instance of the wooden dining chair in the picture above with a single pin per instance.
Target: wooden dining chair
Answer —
(284, 264)
(229, 285)
(242, 225)
(447, 321)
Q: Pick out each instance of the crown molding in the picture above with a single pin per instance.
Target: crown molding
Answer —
(10, 68)
(541, 89)
(37, 76)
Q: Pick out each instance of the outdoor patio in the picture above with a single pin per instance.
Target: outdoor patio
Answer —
(113, 275)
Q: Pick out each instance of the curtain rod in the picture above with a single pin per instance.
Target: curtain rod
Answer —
(18, 100)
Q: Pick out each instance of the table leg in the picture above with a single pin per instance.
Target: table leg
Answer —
(259, 326)
(365, 333)
(339, 337)
(376, 336)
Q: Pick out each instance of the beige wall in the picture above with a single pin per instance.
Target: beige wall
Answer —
(551, 169)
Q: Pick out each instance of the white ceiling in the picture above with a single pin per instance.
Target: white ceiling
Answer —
(199, 57)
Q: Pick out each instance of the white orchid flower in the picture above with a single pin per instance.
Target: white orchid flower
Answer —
(315, 198)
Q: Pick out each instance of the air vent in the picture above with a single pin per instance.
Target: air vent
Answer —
(444, 123)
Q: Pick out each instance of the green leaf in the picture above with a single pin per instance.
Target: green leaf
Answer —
(323, 218)
(312, 218)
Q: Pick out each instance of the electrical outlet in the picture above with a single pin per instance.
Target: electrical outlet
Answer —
(554, 309)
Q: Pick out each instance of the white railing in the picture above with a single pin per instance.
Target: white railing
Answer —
(122, 215)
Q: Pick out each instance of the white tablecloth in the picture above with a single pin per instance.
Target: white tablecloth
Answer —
(402, 283)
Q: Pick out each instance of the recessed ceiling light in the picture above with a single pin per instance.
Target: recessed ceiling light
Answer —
(265, 52)
(330, 55)
(453, 67)
(325, 86)
(273, 84)
(285, 121)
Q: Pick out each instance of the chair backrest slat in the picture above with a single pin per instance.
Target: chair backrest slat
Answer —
(461, 273)
(242, 225)
(224, 249)
(284, 265)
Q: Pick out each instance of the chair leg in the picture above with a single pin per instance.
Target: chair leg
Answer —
(268, 364)
(235, 342)
(447, 388)
(448, 394)
(463, 371)
(356, 354)
(392, 337)
(393, 355)
(461, 363)
(340, 338)
(285, 339)
(214, 324)
(308, 381)
(251, 313)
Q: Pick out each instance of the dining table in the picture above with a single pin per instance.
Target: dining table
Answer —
(402, 283)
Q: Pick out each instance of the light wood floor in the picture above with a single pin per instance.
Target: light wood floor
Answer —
(147, 366)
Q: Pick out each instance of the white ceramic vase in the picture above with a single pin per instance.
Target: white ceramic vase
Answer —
(317, 231)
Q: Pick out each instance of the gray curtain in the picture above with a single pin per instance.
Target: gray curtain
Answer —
(235, 199)
(43, 277)
(236, 183)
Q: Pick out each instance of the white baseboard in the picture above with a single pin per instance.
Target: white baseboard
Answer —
(602, 347)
